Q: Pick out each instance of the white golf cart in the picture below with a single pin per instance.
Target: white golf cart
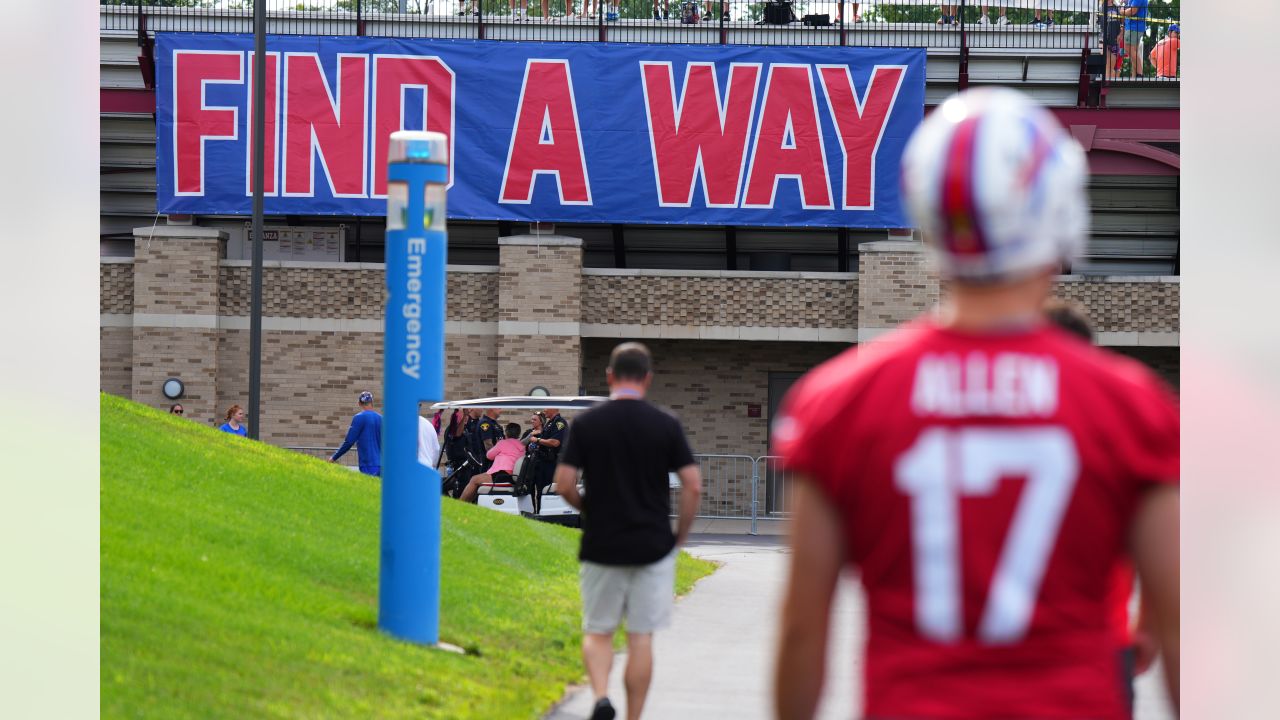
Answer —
(502, 496)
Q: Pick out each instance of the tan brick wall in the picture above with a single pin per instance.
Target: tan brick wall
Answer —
(347, 293)
(310, 381)
(894, 285)
(115, 360)
(162, 353)
(176, 276)
(540, 283)
(1126, 306)
(472, 296)
(553, 362)
(471, 366)
(720, 301)
(115, 288)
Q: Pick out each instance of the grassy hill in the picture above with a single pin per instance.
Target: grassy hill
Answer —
(240, 580)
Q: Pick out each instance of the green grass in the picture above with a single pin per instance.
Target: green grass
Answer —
(240, 580)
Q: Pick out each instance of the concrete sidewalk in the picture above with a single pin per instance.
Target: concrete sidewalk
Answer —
(716, 659)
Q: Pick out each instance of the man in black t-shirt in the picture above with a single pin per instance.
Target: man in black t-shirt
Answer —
(625, 449)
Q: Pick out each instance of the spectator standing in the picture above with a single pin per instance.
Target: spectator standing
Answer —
(1037, 22)
(235, 422)
(1112, 37)
(428, 442)
(985, 523)
(366, 434)
(985, 19)
(1165, 54)
(1135, 30)
(625, 449)
(176, 409)
(950, 15)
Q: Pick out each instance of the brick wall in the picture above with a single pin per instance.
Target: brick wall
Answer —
(186, 353)
(115, 360)
(309, 385)
(540, 306)
(542, 282)
(655, 299)
(115, 288)
(174, 274)
(528, 360)
(894, 284)
(343, 292)
(471, 366)
(1126, 306)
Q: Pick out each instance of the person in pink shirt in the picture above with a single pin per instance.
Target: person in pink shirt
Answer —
(504, 455)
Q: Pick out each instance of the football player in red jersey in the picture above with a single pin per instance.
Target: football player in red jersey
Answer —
(983, 470)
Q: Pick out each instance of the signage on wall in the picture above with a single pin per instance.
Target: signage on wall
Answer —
(556, 132)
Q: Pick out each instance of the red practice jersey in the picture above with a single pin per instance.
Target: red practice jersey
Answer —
(985, 485)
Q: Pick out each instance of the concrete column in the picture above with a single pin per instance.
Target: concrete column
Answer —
(539, 314)
(175, 315)
(894, 285)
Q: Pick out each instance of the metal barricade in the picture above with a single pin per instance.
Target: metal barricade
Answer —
(776, 485)
(323, 453)
(728, 487)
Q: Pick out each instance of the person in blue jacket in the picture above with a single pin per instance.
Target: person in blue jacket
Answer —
(366, 434)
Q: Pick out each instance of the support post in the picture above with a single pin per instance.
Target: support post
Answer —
(255, 281)
(755, 494)
(413, 371)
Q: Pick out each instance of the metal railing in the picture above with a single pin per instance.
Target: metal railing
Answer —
(741, 487)
(1073, 27)
(323, 453)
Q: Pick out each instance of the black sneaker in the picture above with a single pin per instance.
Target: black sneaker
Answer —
(603, 710)
(1049, 22)
(656, 16)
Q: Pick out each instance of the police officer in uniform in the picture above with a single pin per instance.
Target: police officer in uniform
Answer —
(548, 443)
(469, 431)
(485, 433)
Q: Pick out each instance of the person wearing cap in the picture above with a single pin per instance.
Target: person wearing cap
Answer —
(983, 471)
(1165, 54)
(366, 434)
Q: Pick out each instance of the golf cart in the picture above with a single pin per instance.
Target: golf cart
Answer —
(512, 498)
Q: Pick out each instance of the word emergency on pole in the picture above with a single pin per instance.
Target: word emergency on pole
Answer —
(413, 372)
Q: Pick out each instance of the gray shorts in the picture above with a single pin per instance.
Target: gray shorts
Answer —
(641, 593)
(1132, 38)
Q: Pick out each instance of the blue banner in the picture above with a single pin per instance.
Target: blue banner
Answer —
(557, 132)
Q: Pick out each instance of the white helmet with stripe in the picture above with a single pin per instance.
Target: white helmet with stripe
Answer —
(997, 186)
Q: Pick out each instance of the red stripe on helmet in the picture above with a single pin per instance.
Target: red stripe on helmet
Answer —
(962, 229)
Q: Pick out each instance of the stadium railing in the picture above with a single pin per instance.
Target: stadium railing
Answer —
(1077, 25)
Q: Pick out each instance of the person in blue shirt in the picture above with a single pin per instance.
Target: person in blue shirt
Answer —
(366, 434)
(235, 421)
(1135, 30)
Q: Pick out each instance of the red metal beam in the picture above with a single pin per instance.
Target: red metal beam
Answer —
(1120, 118)
(126, 100)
